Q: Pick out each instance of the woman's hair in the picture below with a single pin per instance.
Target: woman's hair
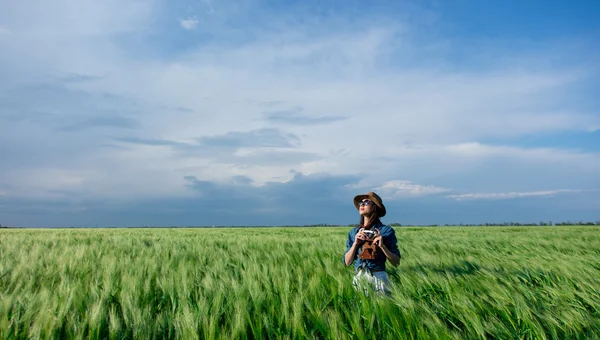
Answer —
(373, 219)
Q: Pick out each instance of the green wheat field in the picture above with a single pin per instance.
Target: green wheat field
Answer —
(290, 283)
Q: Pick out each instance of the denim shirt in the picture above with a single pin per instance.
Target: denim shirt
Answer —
(377, 264)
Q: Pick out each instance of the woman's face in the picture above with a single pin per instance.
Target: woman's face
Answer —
(365, 207)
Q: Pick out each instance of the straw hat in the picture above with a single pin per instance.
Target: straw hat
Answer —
(373, 197)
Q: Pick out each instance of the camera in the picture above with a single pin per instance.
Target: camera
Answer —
(368, 250)
(369, 233)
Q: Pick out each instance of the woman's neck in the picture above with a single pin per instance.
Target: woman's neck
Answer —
(367, 223)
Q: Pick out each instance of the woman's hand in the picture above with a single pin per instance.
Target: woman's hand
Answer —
(378, 240)
(360, 237)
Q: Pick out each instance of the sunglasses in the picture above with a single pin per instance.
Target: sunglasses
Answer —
(365, 202)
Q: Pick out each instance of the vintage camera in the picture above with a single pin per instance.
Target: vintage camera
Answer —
(370, 234)
(368, 247)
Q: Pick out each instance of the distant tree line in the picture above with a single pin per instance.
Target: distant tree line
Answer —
(487, 224)
(503, 224)
(395, 224)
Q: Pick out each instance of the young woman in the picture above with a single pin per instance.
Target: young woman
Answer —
(371, 209)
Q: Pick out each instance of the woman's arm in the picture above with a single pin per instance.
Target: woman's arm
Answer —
(349, 258)
(394, 259)
(393, 256)
(351, 253)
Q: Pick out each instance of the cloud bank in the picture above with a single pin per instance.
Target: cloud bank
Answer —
(108, 105)
(508, 195)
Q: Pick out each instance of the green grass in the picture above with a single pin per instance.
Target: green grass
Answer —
(452, 283)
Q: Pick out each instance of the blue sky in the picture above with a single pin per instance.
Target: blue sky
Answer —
(129, 113)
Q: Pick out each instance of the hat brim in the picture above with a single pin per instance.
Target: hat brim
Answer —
(381, 211)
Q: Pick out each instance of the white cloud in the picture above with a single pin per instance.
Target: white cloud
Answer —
(67, 18)
(189, 24)
(398, 188)
(402, 118)
(509, 195)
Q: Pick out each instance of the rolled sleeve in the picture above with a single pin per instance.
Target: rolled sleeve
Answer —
(391, 241)
(349, 242)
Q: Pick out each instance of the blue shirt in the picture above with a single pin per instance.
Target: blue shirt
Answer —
(378, 263)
